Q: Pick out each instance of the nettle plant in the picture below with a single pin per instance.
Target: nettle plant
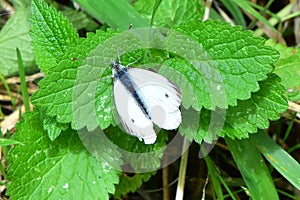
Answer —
(73, 146)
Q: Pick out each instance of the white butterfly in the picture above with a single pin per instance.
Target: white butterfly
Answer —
(143, 97)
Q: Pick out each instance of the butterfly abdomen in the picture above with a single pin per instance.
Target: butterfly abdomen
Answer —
(126, 80)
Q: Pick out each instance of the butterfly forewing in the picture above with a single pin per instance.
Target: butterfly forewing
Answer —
(161, 96)
(132, 117)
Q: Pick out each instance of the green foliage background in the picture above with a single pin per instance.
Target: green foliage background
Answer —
(54, 164)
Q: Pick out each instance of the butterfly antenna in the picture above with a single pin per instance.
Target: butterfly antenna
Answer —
(133, 62)
(118, 54)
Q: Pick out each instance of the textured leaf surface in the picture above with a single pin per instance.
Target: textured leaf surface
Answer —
(104, 104)
(141, 157)
(228, 60)
(15, 34)
(53, 127)
(248, 115)
(51, 33)
(287, 68)
(131, 183)
(222, 69)
(55, 53)
(63, 169)
(170, 13)
(80, 20)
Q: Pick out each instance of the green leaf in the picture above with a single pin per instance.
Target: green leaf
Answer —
(175, 12)
(131, 183)
(52, 127)
(225, 66)
(62, 169)
(253, 168)
(51, 34)
(190, 123)
(287, 68)
(278, 158)
(117, 14)
(170, 13)
(146, 7)
(6, 142)
(80, 20)
(15, 34)
(214, 176)
(21, 3)
(55, 53)
(247, 116)
(142, 157)
(56, 92)
(104, 101)
(228, 63)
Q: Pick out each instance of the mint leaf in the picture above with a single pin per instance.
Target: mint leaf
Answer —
(141, 157)
(53, 127)
(62, 169)
(69, 92)
(248, 115)
(80, 20)
(56, 92)
(224, 62)
(131, 183)
(104, 101)
(287, 68)
(145, 8)
(15, 34)
(170, 13)
(51, 33)
(175, 12)
(228, 61)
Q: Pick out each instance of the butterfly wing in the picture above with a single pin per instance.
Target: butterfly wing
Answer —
(132, 117)
(161, 96)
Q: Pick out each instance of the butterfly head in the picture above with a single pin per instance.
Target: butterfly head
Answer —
(116, 67)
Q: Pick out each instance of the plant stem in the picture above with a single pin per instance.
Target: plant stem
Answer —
(182, 170)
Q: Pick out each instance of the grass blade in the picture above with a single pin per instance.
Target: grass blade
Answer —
(117, 14)
(214, 177)
(253, 169)
(23, 82)
(236, 12)
(279, 159)
(245, 5)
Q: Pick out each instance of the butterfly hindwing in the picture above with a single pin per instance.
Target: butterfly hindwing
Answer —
(161, 96)
(132, 117)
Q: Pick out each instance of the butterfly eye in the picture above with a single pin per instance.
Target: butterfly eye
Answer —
(132, 120)
(166, 95)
